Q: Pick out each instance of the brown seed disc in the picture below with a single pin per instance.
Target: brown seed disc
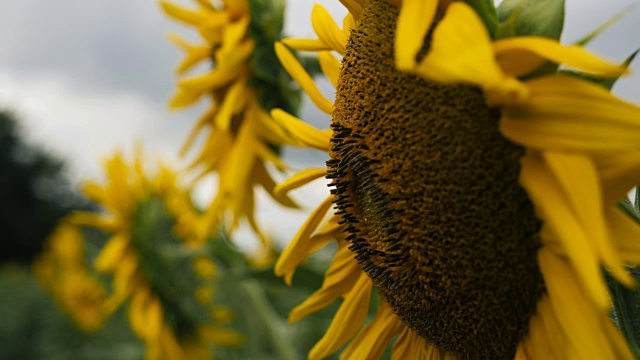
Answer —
(428, 192)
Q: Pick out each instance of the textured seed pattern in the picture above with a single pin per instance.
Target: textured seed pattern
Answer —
(427, 191)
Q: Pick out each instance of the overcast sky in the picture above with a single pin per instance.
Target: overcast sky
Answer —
(90, 76)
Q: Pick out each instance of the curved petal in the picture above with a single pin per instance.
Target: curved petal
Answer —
(565, 113)
(306, 134)
(373, 339)
(554, 209)
(299, 179)
(299, 245)
(414, 21)
(300, 75)
(339, 279)
(347, 321)
(327, 29)
(519, 56)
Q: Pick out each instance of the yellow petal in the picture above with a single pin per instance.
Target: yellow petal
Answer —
(95, 192)
(355, 9)
(347, 320)
(194, 53)
(270, 130)
(299, 179)
(297, 249)
(554, 209)
(233, 34)
(415, 18)
(112, 253)
(124, 280)
(577, 318)
(339, 279)
(372, 340)
(546, 332)
(233, 99)
(327, 29)
(220, 336)
(169, 346)
(577, 176)
(306, 44)
(94, 220)
(266, 153)
(182, 14)
(183, 99)
(565, 113)
(626, 233)
(234, 177)
(195, 130)
(460, 50)
(262, 177)
(216, 78)
(236, 8)
(409, 345)
(212, 29)
(206, 4)
(619, 173)
(300, 75)
(137, 311)
(154, 317)
(330, 66)
(519, 56)
(306, 134)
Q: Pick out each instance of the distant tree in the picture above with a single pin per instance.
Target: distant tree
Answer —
(34, 194)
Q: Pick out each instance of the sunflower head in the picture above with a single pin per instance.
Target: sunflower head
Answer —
(244, 82)
(148, 249)
(427, 190)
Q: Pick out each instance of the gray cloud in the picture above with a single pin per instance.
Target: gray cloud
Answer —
(114, 46)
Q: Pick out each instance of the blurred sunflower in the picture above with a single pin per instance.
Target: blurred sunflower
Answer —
(62, 269)
(153, 261)
(245, 82)
(476, 185)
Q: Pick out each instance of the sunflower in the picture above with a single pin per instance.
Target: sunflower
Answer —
(150, 221)
(245, 82)
(476, 186)
(62, 270)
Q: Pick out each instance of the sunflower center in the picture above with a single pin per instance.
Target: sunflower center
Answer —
(428, 192)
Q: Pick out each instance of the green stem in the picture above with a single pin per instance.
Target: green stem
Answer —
(271, 321)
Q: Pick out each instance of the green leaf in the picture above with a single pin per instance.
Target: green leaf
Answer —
(269, 79)
(626, 310)
(626, 302)
(532, 18)
(487, 12)
(627, 207)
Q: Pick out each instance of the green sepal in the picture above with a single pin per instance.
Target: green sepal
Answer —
(530, 18)
(626, 302)
(269, 79)
(600, 29)
(167, 263)
(487, 12)
(606, 83)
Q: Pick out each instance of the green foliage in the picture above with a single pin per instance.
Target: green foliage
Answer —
(487, 12)
(33, 327)
(270, 80)
(168, 264)
(33, 192)
(530, 18)
(626, 302)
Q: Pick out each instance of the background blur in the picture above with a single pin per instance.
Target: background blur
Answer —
(83, 78)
